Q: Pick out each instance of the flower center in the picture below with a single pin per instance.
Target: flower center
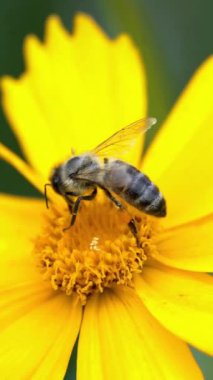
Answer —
(98, 252)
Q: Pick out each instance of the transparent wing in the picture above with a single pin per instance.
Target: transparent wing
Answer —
(115, 146)
(120, 142)
(90, 175)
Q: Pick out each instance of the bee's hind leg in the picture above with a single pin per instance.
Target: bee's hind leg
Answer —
(132, 222)
(134, 230)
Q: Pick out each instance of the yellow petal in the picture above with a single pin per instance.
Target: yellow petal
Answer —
(55, 363)
(22, 167)
(189, 246)
(20, 221)
(26, 116)
(20, 298)
(119, 339)
(34, 178)
(77, 91)
(40, 341)
(180, 158)
(37, 327)
(182, 301)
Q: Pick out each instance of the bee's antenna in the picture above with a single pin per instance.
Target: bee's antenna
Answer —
(45, 194)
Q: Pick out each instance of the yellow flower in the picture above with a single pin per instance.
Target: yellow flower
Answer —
(141, 304)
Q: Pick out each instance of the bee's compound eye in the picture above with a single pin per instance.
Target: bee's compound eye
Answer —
(56, 182)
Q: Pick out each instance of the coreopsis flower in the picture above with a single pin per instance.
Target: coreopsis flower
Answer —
(135, 309)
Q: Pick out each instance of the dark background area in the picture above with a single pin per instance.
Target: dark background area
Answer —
(174, 38)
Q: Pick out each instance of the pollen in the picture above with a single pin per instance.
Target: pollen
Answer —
(98, 252)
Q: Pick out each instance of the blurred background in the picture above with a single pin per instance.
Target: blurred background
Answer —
(174, 38)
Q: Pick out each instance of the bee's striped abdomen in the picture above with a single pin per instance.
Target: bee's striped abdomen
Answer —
(135, 187)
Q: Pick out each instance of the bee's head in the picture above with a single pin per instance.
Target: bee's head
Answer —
(55, 180)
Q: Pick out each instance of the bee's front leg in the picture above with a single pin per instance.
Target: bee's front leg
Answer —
(74, 206)
(77, 204)
(70, 203)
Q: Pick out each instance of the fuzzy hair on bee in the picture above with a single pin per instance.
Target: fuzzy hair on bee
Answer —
(101, 168)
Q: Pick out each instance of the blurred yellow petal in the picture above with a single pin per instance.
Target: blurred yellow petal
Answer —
(27, 119)
(180, 160)
(39, 343)
(113, 81)
(119, 339)
(182, 301)
(20, 298)
(75, 84)
(20, 221)
(55, 362)
(22, 167)
(189, 246)
(34, 333)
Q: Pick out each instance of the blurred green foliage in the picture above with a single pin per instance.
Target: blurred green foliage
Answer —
(174, 37)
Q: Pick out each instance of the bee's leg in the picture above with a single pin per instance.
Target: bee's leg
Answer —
(134, 230)
(116, 202)
(70, 206)
(76, 205)
(132, 222)
(70, 203)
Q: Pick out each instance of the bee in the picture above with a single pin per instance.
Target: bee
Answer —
(80, 176)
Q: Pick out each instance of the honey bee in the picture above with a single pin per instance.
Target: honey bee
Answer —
(81, 175)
